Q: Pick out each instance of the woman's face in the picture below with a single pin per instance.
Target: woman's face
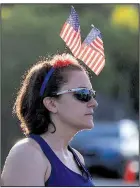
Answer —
(70, 110)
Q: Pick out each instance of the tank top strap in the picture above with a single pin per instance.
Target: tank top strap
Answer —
(80, 164)
(52, 156)
(45, 148)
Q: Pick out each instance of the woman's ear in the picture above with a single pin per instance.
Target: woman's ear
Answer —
(50, 104)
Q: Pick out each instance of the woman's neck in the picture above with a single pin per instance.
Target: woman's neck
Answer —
(60, 139)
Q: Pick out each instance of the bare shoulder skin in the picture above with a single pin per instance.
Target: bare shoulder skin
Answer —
(25, 165)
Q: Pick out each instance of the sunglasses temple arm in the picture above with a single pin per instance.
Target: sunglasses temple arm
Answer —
(63, 92)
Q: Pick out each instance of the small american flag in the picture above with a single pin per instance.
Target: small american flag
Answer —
(92, 51)
(70, 32)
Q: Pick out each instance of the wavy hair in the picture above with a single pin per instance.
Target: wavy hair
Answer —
(29, 107)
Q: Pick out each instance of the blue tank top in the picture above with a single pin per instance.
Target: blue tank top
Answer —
(61, 175)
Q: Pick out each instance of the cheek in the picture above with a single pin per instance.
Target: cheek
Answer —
(69, 105)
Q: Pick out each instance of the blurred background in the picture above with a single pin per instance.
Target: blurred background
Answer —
(31, 31)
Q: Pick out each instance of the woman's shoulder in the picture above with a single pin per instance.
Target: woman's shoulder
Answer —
(27, 145)
(25, 150)
(24, 160)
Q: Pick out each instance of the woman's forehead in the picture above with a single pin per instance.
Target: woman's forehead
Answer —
(78, 79)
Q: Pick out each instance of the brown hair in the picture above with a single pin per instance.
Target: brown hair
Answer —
(29, 107)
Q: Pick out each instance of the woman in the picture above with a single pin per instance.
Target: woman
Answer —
(56, 101)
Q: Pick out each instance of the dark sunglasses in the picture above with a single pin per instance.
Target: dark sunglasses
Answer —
(81, 94)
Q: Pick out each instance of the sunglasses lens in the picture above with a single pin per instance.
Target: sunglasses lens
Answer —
(84, 95)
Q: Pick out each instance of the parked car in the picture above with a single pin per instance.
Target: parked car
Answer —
(109, 145)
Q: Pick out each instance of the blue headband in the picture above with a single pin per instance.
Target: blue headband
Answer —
(47, 77)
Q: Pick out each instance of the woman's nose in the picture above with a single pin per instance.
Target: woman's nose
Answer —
(93, 103)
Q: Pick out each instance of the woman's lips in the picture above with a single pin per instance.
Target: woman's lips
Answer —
(90, 114)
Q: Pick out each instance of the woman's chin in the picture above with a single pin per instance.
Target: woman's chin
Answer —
(88, 124)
